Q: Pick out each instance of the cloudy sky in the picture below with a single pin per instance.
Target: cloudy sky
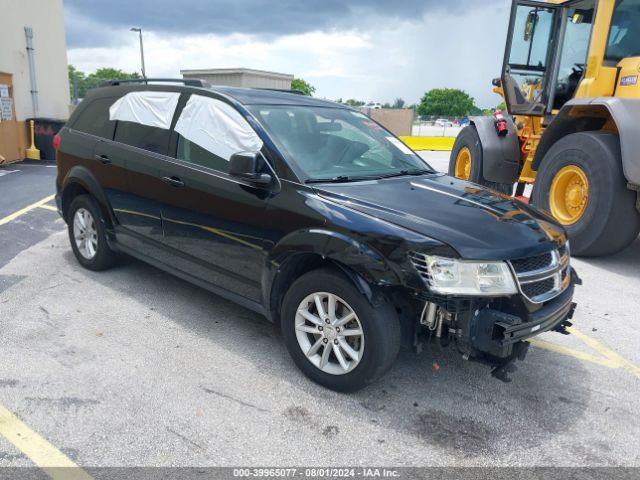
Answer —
(373, 50)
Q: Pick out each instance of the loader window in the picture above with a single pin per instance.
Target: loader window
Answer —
(624, 35)
(525, 76)
(573, 56)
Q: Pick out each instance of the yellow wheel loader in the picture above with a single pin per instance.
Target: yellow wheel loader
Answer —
(570, 82)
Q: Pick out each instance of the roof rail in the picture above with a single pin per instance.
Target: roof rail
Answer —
(297, 92)
(191, 82)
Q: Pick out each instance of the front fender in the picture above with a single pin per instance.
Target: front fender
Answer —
(340, 247)
(305, 249)
(500, 155)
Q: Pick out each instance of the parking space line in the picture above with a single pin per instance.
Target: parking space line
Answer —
(44, 455)
(26, 209)
(49, 207)
(605, 351)
(607, 357)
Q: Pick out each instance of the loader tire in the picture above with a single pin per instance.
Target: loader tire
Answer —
(581, 183)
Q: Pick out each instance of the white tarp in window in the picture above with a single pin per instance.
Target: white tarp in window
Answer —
(154, 109)
(217, 127)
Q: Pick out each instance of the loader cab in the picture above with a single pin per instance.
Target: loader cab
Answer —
(546, 54)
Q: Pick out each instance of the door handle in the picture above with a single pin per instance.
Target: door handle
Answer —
(103, 159)
(173, 181)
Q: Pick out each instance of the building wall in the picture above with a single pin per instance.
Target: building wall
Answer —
(397, 120)
(250, 80)
(50, 53)
(242, 78)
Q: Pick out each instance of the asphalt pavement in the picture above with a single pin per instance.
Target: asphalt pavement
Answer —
(134, 367)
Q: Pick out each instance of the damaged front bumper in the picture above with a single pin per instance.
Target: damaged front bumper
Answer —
(495, 331)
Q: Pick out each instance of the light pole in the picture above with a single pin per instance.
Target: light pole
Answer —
(139, 30)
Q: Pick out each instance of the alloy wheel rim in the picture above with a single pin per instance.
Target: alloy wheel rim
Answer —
(569, 194)
(463, 164)
(85, 233)
(329, 333)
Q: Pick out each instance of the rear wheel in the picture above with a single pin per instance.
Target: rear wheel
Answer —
(333, 333)
(465, 161)
(87, 234)
(581, 183)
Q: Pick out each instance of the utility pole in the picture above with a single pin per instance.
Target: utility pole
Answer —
(139, 30)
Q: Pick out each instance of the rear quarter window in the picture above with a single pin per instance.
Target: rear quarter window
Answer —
(94, 119)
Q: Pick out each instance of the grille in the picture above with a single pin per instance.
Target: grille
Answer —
(536, 289)
(543, 277)
(529, 264)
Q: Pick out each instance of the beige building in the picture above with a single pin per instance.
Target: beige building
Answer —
(241, 77)
(30, 87)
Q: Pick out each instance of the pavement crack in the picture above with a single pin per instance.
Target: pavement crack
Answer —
(234, 399)
(187, 440)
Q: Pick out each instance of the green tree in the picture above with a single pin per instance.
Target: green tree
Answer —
(79, 82)
(398, 103)
(354, 103)
(475, 110)
(502, 107)
(302, 86)
(445, 102)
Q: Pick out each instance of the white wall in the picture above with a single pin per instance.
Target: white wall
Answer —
(46, 18)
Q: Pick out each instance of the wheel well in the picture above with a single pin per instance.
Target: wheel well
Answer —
(300, 264)
(588, 119)
(70, 192)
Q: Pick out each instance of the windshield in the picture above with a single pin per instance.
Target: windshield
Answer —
(624, 36)
(335, 144)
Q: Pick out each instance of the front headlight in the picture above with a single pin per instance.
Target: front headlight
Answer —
(449, 276)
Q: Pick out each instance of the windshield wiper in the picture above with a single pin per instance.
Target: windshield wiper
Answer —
(402, 173)
(341, 179)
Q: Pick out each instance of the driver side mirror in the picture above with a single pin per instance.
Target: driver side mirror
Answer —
(247, 166)
(530, 25)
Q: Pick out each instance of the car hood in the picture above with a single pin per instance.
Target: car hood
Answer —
(475, 221)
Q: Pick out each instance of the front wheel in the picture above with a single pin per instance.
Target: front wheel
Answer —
(581, 183)
(333, 333)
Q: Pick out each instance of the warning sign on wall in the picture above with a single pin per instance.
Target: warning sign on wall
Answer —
(6, 108)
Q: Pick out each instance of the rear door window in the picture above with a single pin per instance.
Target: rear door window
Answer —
(94, 119)
(153, 139)
(144, 119)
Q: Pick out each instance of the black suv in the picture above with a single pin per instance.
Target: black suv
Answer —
(315, 216)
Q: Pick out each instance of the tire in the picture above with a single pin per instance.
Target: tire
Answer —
(85, 221)
(606, 221)
(377, 347)
(468, 142)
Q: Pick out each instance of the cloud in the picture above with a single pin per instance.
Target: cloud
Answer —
(223, 17)
(375, 58)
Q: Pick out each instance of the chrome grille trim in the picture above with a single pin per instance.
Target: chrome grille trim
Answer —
(557, 270)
